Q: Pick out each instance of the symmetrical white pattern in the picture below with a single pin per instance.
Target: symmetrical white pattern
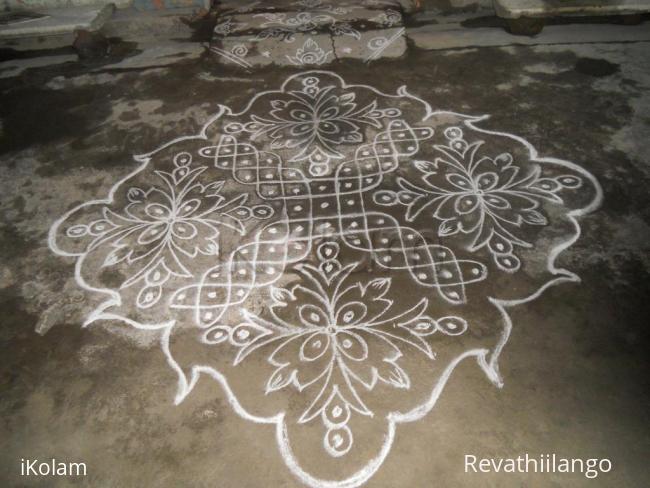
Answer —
(487, 198)
(344, 335)
(286, 27)
(314, 121)
(321, 182)
(322, 32)
(310, 54)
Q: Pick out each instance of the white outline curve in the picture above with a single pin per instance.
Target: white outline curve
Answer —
(487, 361)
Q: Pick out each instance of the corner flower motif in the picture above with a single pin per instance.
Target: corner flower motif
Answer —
(162, 229)
(487, 198)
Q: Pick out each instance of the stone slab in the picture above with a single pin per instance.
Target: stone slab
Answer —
(514, 9)
(169, 5)
(282, 24)
(158, 53)
(160, 24)
(375, 44)
(455, 36)
(245, 6)
(306, 49)
(39, 5)
(303, 49)
(59, 22)
(309, 37)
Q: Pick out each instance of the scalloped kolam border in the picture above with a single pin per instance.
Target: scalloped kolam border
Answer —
(486, 359)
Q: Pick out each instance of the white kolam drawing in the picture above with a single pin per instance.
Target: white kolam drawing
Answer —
(386, 240)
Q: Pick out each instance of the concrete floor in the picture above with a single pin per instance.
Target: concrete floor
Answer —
(574, 369)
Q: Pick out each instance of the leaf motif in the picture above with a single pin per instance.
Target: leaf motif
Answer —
(210, 249)
(278, 104)
(149, 296)
(452, 325)
(426, 166)
(397, 377)
(347, 97)
(279, 379)
(213, 188)
(353, 137)
(499, 244)
(504, 159)
(449, 227)
(421, 326)
(116, 255)
(247, 332)
(417, 206)
(281, 296)
(100, 227)
(216, 335)
(534, 217)
(378, 287)
(136, 195)
(507, 262)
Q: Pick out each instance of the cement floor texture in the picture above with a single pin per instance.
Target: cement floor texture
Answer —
(357, 275)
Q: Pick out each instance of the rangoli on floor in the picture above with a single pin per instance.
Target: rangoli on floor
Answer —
(329, 254)
(307, 33)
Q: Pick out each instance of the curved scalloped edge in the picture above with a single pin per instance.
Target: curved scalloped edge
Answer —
(486, 360)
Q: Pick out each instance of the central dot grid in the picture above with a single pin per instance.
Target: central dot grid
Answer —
(316, 208)
(344, 200)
